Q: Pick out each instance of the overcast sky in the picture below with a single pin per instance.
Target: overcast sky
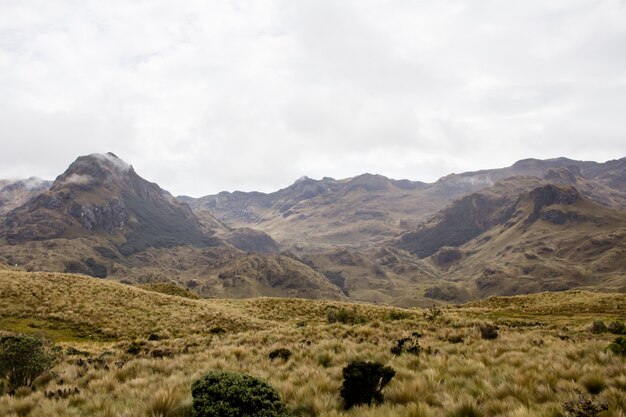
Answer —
(211, 95)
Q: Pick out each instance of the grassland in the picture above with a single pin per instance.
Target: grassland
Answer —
(544, 351)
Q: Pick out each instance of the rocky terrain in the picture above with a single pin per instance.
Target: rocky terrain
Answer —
(537, 225)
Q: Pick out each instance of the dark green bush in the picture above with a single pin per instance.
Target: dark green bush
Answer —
(363, 382)
(618, 346)
(597, 327)
(231, 394)
(22, 359)
(281, 353)
(616, 327)
(583, 407)
(488, 331)
(409, 344)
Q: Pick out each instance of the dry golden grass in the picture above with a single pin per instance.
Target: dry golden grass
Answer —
(529, 370)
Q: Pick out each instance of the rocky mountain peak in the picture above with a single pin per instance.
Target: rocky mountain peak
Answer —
(93, 169)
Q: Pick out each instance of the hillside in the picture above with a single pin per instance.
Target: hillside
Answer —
(550, 238)
(124, 350)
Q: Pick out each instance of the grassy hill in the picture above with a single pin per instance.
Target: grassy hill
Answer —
(133, 352)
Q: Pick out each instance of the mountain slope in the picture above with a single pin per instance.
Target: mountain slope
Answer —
(550, 238)
(100, 194)
(369, 209)
(14, 193)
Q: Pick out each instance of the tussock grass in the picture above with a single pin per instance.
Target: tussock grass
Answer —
(529, 370)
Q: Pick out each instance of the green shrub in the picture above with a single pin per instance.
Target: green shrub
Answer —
(344, 316)
(618, 346)
(281, 353)
(488, 331)
(363, 382)
(616, 327)
(22, 359)
(583, 407)
(597, 327)
(408, 345)
(231, 394)
(134, 348)
(398, 315)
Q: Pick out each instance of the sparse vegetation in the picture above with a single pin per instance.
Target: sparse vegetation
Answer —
(221, 393)
(527, 371)
(584, 406)
(363, 383)
(344, 316)
(22, 359)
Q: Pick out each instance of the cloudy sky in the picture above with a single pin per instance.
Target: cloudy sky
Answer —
(210, 95)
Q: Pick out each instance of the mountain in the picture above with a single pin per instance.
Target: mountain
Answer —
(102, 219)
(14, 193)
(100, 194)
(537, 225)
(369, 209)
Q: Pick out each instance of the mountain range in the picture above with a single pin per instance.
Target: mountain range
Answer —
(538, 225)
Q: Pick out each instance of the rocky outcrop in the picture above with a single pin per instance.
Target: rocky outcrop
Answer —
(108, 218)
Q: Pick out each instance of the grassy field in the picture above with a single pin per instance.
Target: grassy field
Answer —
(543, 352)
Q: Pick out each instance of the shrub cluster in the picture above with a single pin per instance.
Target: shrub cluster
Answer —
(344, 316)
(598, 327)
(618, 346)
(221, 393)
(281, 353)
(408, 345)
(584, 407)
(433, 313)
(616, 327)
(363, 382)
(488, 331)
(22, 359)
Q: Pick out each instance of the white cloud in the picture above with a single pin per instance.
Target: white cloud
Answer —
(221, 95)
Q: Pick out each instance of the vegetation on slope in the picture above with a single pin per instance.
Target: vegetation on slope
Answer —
(153, 346)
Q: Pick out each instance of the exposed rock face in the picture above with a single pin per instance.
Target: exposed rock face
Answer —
(108, 218)
(561, 217)
(463, 220)
(550, 195)
(447, 255)
(250, 240)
